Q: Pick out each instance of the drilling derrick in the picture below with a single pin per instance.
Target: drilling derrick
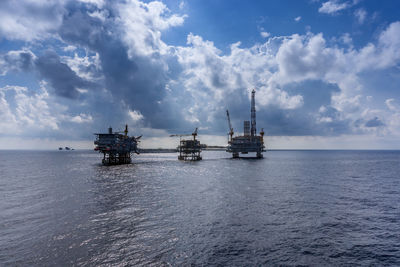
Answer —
(249, 141)
(253, 114)
(189, 149)
(116, 147)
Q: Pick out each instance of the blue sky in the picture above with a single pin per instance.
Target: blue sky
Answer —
(327, 73)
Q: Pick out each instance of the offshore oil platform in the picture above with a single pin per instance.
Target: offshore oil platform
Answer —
(189, 149)
(116, 147)
(249, 141)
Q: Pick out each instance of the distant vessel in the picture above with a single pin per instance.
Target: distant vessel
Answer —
(65, 148)
(116, 147)
(249, 141)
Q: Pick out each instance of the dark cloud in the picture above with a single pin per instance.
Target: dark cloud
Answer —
(375, 122)
(60, 76)
(24, 62)
(62, 79)
(17, 61)
(297, 122)
(305, 120)
(81, 29)
(138, 81)
(315, 93)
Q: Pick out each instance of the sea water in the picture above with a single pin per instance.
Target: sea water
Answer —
(290, 208)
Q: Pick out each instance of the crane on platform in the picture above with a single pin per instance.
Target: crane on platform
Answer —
(230, 125)
(194, 134)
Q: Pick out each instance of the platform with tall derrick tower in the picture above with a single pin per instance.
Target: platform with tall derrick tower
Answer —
(116, 147)
(249, 142)
(189, 149)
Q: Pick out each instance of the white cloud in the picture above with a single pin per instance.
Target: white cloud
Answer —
(325, 119)
(308, 57)
(8, 121)
(143, 23)
(392, 105)
(303, 57)
(99, 14)
(210, 77)
(347, 40)
(87, 67)
(31, 111)
(361, 15)
(265, 34)
(279, 62)
(382, 55)
(98, 3)
(25, 111)
(135, 115)
(393, 117)
(333, 6)
(182, 4)
(69, 48)
(389, 46)
(81, 118)
(29, 20)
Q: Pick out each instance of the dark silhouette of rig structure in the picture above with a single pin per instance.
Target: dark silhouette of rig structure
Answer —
(116, 147)
(249, 141)
(189, 149)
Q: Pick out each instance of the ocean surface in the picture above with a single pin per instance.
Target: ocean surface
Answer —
(313, 208)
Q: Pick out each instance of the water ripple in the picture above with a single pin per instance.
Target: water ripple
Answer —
(292, 208)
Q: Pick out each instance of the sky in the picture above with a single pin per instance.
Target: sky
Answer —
(326, 73)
